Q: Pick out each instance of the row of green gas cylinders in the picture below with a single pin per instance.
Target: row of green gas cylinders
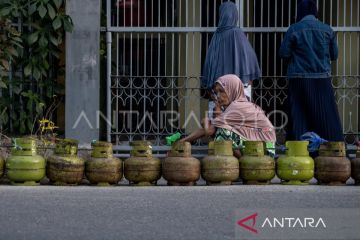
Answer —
(220, 167)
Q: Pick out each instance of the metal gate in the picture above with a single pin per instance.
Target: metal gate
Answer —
(156, 49)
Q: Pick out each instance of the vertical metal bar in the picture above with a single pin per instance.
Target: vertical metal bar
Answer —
(344, 13)
(358, 66)
(275, 35)
(137, 54)
(173, 41)
(166, 14)
(108, 13)
(282, 13)
(193, 12)
(151, 39)
(117, 74)
(158, 78)
(131, 13)
(261, 35)
(289, 10)
(337, 34)
(248, 14)
(131, 54)
(158, 85)
(145, 65)
(108, 70)
(324, 15)
(268, 13)
(159, 13)
(317, 4)
(108, 82)
(172, 59)
(344, 77)
(179, 41)
(331, 15)
(268, 41)
(214, 14)
(200, 39)
(351, 9)
(254, 11)
(186, 52)
(240, 4)
(193, 35)
(358, 40)
(351, 13)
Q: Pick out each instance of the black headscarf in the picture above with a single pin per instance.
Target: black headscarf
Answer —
(306, 7)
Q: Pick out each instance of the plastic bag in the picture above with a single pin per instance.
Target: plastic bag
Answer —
(314, 141)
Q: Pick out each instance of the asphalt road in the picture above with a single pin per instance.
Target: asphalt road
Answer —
(161, 212)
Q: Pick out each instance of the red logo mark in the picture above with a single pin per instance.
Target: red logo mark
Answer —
(242, 221)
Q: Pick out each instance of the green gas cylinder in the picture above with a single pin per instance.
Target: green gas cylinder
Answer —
(332, 166)
(255, 166)
(142, 169)
(296, 167)
(102, 168)
(64, 167)
(24, 166)
(222, 168)
(211, 148)
(180, 168)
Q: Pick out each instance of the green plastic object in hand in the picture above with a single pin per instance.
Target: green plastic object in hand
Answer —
(173, 138)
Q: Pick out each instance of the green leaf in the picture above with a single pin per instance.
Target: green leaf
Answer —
(68, 24)
(44, 53)
(17, 39)
(5, 64)
(43, 72)
(52, 13)
(56, 23)
(25, 94)
(16, 89)
(46, 64)
(53, 40)
(36, 73)
(33, 38)
(5, 11)
(15, 13)
(59, 40)
(27, 70)
(42, 11)
(43, 42)
(32, 9)
(55, 54)
(4, 118)
(2, 84)
(39, 107)
(57, 3)
(12, 51)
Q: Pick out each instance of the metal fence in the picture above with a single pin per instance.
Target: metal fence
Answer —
(156, 50)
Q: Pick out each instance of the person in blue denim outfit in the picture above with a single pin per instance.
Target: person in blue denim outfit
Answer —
(308, 47)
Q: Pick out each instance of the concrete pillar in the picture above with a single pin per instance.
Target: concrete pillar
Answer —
(83, 71)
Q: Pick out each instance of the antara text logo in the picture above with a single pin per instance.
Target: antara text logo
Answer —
(249, 223)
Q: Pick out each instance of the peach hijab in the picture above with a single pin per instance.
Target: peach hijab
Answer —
(243, 117)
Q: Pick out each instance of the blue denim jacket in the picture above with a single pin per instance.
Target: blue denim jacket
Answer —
(309, 46)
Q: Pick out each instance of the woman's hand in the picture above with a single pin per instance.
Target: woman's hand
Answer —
(217, 109)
